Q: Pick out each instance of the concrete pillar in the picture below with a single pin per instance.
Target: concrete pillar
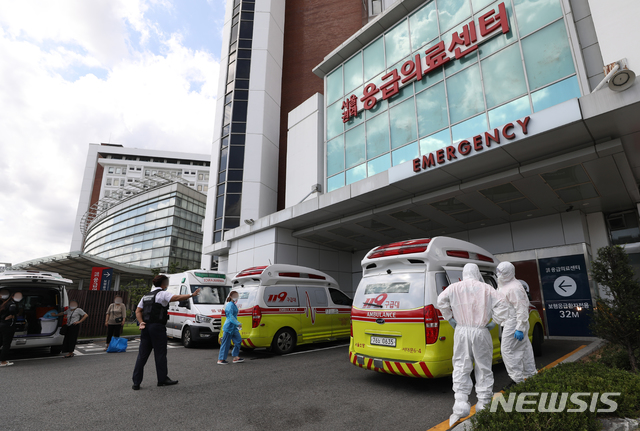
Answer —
(80, 283)
(598, 232)
(116, 282)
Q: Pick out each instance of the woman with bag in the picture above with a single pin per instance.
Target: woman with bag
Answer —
(114, 322)
(75, 316)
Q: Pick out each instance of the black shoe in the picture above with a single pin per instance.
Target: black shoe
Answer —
(135, 387)
(168, 382)
(509, 385)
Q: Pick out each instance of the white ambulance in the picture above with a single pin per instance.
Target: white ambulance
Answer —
(196, 319)
(396, 327)
(42, 291)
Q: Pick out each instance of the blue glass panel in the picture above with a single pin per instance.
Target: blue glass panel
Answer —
(429, 80)
(510, 112)
(396, 43)
(423, 25)
(503, 76)
(402, 119)
(451, 12)
(377, 135)
(334, 85)
(335, 155)
(464, 91)
(356, 174)
(470, 128)
(533, 14)
(335, 126)
(355, 146)
(406, 153)
(435, 142)
(378, 165)
(556, 93)
(547, 55)
(432, 110)
(353, 73)
(373, 59)
(501, 40)
(335, 182)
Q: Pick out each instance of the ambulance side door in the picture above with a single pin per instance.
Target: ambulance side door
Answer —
(340, 313)
(315, 323)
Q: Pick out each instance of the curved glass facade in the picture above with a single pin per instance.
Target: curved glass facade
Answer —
(153, 232)
(509, 76)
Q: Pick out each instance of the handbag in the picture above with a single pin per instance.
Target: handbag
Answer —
(118, 345)
(65, 328)
(117, 319)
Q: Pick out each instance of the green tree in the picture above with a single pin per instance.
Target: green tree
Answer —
(136, 289)
(616, 317)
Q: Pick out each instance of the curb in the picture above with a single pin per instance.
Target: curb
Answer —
(93, 340)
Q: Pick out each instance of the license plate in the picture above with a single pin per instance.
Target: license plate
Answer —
(383, 341)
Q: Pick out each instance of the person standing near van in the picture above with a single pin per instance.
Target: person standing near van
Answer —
(231, 331)
(114, 321)
(517, 352)
(75, 316)
(469, 305)
(152, 313)
(8, 313)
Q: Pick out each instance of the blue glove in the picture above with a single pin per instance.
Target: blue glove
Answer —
(453, 323)
(519, 335)
(491, 325)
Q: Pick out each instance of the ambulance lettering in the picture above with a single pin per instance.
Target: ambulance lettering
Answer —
(382, 314)
(281, 297)
(313, 310)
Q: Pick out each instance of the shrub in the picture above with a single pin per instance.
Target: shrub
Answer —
(571, 377)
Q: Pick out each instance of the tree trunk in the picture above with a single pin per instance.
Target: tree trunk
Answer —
(632, 358)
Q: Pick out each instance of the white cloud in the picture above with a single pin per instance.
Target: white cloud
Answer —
(51, 107)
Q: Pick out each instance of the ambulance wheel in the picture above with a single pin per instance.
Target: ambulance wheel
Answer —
(284, 341)
(537, 341)
(187, 339)
(56, 350)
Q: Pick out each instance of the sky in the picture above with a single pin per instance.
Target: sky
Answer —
(141, 73)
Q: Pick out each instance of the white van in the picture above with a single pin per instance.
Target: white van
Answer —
(396, 327)
(281, 306)
(42, 292)
(196, 319)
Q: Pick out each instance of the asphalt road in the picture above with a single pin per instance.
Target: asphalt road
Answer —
(316, 388)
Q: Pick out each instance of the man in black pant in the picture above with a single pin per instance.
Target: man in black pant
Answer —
(152, 312)
(8, 312)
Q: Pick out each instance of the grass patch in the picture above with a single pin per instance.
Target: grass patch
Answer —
(571, 377)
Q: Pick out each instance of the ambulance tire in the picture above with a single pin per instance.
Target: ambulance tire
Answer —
(187, 338)
(537, 340)
(284, 341)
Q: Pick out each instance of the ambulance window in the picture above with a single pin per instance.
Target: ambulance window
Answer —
(489, 280)
(281, 296)
(316, 296)
(441, 282)
(183, 290)
(321, 297)
(340, 298)
(398, 287)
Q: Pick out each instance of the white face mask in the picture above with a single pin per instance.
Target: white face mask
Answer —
(17, 298)
(234, 299)
(73, 307)
(4, 296)
(118, 301)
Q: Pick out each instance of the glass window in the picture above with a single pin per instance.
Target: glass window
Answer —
(503, 76)
(406, 153)
(555, 94)
(118, 171)
(435, 142)
(423, 26)
(108, 181)
(111, 169)
(470, 128)
(464, 91)
(510, 112)
(355, 146)
(356, 174)
(501, 40)
(233, 206)
(335, 126)
(377, 135)
(335, 155)
(353, 73)
(334, 85)
(479, 4)
(547, 55)
(396, 43)
(402, 119)
(432, 109)
(533, 14)
(378, 165)
(335, 182)
(373, 57)
(116, 182)
(429, 79)
(451, 12)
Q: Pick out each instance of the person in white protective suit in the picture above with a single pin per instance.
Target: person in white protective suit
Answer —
(469, 305)
(517, 352)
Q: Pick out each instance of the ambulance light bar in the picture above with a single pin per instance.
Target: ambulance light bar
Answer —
(256, 270)
(299, 275)
(467, 255)
(399, 248)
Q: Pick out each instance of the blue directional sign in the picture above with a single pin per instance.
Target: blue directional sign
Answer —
(105, 280)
